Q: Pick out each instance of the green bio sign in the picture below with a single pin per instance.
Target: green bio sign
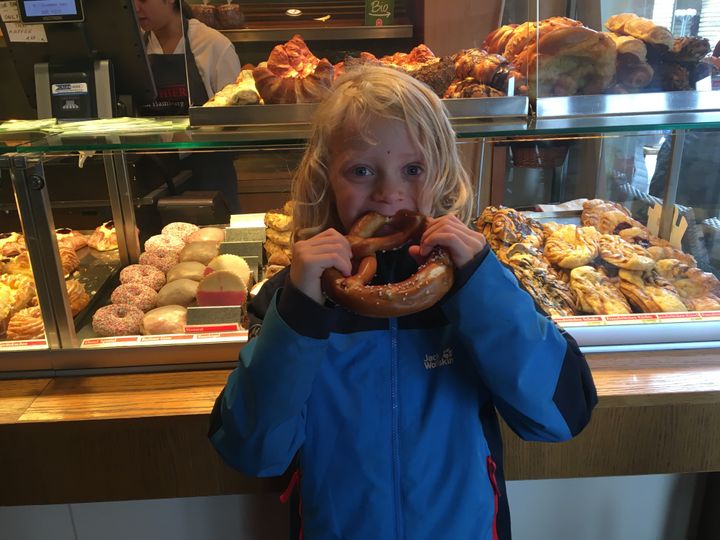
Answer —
(379, 12)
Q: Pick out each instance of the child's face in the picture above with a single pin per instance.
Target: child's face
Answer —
(384, 177)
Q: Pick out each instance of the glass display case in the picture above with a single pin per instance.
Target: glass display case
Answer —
(644, 158)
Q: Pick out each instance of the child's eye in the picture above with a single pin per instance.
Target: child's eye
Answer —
(414, 170)
(361, 170)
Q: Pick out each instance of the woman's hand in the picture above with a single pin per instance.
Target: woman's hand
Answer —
(311, 257)
(452, 234)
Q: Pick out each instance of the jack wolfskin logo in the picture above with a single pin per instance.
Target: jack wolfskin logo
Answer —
(433, 361)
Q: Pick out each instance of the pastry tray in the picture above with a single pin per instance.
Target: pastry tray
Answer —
(301, 113)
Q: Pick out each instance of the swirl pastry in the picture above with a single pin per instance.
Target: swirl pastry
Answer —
(650, 292)
(550, 293)
(596, 293)
(512, 227)
(571, 246)
(26, 324)
(618, 252)
(607, 216)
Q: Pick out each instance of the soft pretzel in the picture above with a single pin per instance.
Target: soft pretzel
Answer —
(419, 292)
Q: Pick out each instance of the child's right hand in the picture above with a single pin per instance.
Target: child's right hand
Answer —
(311, 257)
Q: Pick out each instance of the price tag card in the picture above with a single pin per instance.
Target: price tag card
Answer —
(26, 345)
(9, 11)
(119, 341)
(26, 33)
(215, 328)
(632, 319)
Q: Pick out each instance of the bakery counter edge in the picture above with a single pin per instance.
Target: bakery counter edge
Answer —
(139, 436)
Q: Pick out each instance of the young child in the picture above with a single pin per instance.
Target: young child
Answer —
(393, 420)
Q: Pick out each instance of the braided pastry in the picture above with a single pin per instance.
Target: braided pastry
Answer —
(618, 252)
(549, 292)
(596, 293)
(571, 246)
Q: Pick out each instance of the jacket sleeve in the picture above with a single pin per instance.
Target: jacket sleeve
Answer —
(258, 422)
(539, 380)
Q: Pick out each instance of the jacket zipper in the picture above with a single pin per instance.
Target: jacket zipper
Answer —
(395, 425)
(491, 468)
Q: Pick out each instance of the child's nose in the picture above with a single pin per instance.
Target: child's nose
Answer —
(387, 189)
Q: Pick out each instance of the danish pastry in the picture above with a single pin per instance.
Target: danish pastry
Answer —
(596, 293)
(78, 296)
(649, 292)
(21, 291)
(571, 246)
(104, 238)
(71, 238)
(618, 252)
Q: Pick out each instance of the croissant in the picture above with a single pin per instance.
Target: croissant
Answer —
(293, 74)
(629, 24)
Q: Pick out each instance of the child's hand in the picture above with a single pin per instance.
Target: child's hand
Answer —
(449, 232)
(311, 257)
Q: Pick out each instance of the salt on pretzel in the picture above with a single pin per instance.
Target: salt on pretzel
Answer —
(418, 292)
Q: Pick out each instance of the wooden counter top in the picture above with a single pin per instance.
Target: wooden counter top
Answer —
(132, 436)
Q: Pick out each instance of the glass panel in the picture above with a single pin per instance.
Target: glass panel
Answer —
(21, 318)
(188, 216)
(621, 47)
(615, 186)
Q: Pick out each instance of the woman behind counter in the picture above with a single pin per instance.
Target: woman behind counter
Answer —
(211, 63)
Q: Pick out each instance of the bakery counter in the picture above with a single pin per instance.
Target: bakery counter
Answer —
(136, 436)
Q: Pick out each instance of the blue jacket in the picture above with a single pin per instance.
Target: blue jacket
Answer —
(393, 420)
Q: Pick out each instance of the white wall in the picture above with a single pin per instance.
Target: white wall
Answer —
(622, 508)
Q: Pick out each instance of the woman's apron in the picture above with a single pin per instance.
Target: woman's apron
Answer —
(176, 91)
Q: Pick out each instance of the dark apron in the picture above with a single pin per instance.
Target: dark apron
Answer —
(176, 89)
(176, 92)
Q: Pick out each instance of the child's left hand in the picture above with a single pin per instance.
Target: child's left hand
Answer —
(449, 232)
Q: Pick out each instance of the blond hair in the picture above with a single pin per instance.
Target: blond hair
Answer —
(358, 96)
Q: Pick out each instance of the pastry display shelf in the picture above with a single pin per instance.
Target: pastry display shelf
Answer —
(470, 109)
(253, 126)
(339, 30)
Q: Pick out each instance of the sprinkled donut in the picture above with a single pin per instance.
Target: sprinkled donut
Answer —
(117, 320)
(143, 274)
(135, 294)
(162, 259)
(162, 241)
(180, 230)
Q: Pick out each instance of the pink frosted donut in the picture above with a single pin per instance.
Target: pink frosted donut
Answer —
(162, 259)
(117, 320)
(143, 274)
(179, 229)
(161, 241)
(135, 294)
